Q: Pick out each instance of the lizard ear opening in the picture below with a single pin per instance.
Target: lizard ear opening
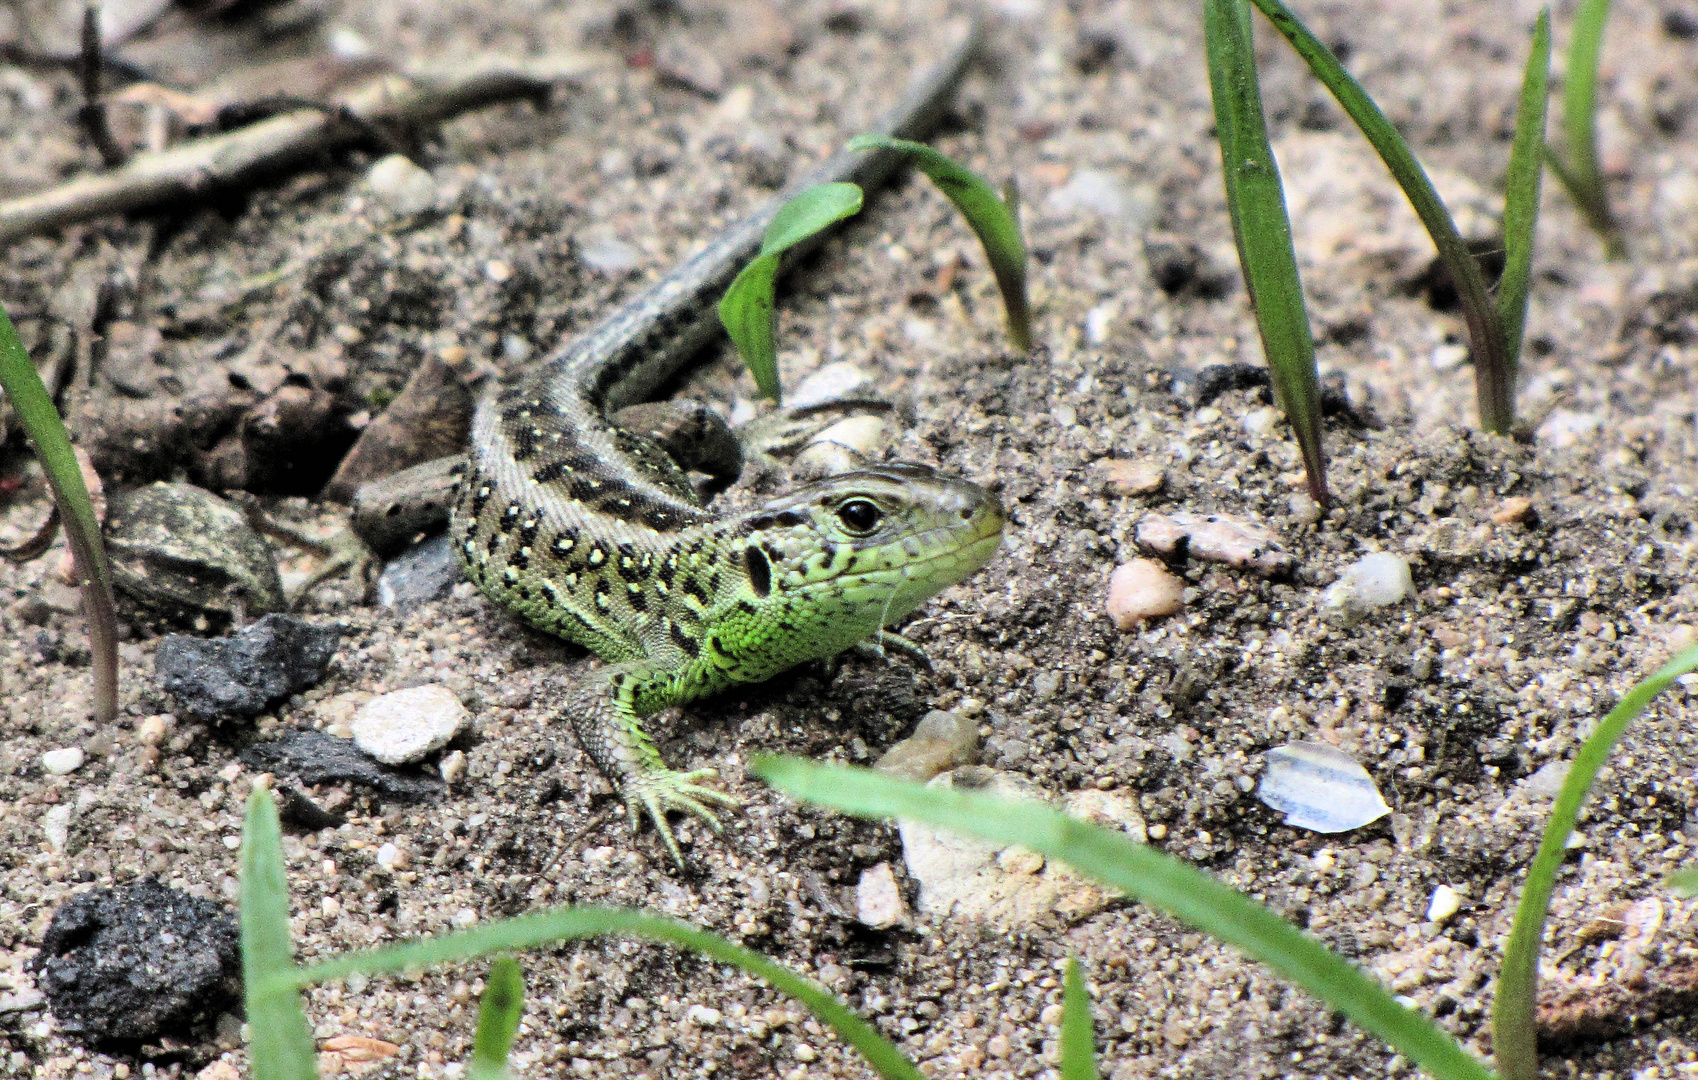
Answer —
(760, 571)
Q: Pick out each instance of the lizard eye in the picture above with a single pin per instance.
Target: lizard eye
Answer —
(859, 516)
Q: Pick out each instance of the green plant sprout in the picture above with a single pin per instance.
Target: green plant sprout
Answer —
(1255, 200)
(1168, 885)
(1489, 331)
(993, 219)
(499, 1012)
(1078, 1034)
(1514, 1039)
(1579, 171)
(746, 307)
(35, 411)
(281, 1046)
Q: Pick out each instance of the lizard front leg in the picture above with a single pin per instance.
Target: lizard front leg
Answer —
(604, 714)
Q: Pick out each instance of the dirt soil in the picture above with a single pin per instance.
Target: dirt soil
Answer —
(1522, 633)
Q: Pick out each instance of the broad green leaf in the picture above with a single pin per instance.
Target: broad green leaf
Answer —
(1147, 875)
(499, 1013)
(280, 1046)
(990, 218)
(1256, 201)
(565, 924)
(1514, 1039)
(34, 407)
(746, 307)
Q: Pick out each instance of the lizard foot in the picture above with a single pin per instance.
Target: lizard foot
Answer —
(660, 790)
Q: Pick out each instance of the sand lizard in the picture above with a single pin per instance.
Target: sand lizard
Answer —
(592, 531)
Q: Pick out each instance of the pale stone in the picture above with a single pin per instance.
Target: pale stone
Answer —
(1216, 538)
(1445, 902)
(64, 760)
(402, 186)
(406, 725)
(1142, 590)
(878, 899)
(1373, 581)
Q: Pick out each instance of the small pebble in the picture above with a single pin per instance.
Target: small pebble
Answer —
(1216, 538)
(1373, 581)
(56, 825)
(65, 760)
(1515, 509)
(406, 725)
(452, 766)
(463, 918)
(1564, 428)
(405, 188)
(1449, 357)
(1261, 421)
(703, 1016)
(1446, 902)
(878, 899)
(607, 254)
(1132, 477)
(390, 857)
(1142, 590)
(424, 572)
(832, 382)
(940, 742)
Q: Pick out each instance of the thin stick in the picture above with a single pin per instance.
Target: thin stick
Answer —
(92, 113)
(243, 158)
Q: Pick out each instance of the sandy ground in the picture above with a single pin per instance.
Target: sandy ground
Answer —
(1521, 635)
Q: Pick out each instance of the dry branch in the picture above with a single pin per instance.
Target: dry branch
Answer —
(249, 155)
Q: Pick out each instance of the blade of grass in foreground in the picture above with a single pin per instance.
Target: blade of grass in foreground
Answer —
(499, 1012)
(281, 1046)
(34, 406)
(565, 924)
(1162, 882)
(1514, 1039)
(1263, 230)
(1580, 173)
(1078, 1036)
(1684, 881)
(991, 218)
(1521, 194)
(1485, 333)
(746, 307)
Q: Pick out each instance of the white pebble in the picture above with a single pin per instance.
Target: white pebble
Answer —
(1449, 357)
(702, 1016)
(151, 730)
(1446, 902)
(1370, 582)
(452, 766)
(65, 760)
(833, 382)
(878, 900)
(406, 725)
(390, 857)
(1261, 421)
(56, 823)
(1141, 590)
(463, 918)
(401, 185)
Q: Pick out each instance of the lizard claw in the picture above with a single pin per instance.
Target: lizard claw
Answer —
(662, 790)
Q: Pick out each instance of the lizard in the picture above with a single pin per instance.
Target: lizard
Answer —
(592, 531)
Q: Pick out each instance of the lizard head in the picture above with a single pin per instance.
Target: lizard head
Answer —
(865, 548)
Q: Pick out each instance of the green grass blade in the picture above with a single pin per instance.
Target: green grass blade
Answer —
(1491, 370)
(991, 218)
(34, 407)
(281, 1046)
(499, 1012)
(563, 924)
(1684, 881)
(1521, 193)
(746, 307)
(1078, 1035)
(1514, 1040)
(1582, 176)
(1263, 230)
(1147, 875)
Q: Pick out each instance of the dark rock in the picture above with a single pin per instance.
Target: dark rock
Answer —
(242, 674)
(426, 571)
(137, 963)
(314, 757)
(297, 809)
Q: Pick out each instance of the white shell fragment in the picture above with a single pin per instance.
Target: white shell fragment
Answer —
(1320, 788)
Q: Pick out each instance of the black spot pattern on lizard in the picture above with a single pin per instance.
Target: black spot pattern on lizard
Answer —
(631, 566)
(564, 541)
(760, 574)
(690, 645)
(638, 599)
